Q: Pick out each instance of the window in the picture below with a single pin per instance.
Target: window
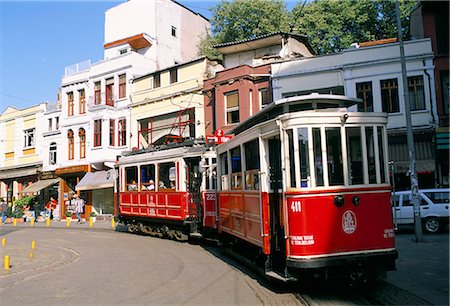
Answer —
(70, 104)
(224, 171)
(264, 97)
(334, 157)
(416, 92)
(29, 138)
(70, 144)
(236, 168)
(50, 125)
(371, 155)
(364, 92)
(252, 165)
(131, 178)
(122, 86)
(304, 156)
(156, 80)
(57, 123)
(110, 91)
(97, 133)
(354, 155)
(82, 101)
(389, 96)
(148, 177)
(166, 176)
(232, 107)
(122, 133)
(52, 153)
(380, 132)
(123, 51)
(173, 75)
(97, 93)
(174, 31)
(445, 90)
(317, 147)
(112, 132)
(82, 135)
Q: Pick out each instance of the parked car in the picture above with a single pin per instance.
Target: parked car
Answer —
(434, 209)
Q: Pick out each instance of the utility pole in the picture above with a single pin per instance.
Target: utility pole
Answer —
(409, 134)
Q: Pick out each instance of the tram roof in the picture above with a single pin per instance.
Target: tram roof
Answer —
(295, 104)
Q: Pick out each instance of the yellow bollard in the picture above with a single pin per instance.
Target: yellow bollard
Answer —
(14, 222)
(32, 222)
(91, 222)
(68, 220)
(1, 221)
(6, 264)
(47, 221)
(33, 244)
(3, 241)
(31, 255)
(113, 223)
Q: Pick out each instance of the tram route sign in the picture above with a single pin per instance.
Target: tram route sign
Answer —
(219, 137)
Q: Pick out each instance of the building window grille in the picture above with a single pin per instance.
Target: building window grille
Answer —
(389, 96)
(110, 92)
(122, 86)
(416, 93)
(71, 144)
(97, 133)
(82, 135)
(52, 153)
(29, 138)
(173, 76)
(122, 133)
(364, 92)
(97, 93)
(70, 104)
(82, 101)
(112, 132)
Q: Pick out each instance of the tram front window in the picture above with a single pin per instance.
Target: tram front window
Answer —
(304, 156)
(354, 155)
(381, 153)
(317, 146)
(334, 157)
(371, 155)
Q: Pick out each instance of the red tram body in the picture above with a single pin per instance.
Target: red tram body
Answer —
(302, 190)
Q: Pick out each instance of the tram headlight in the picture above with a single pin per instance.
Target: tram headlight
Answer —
(339, 201)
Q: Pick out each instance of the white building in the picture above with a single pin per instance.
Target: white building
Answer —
(94, 124)
(373, 72)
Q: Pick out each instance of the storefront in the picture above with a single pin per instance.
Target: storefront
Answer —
(70, 177)
(100, 185)
(16, 178)
(43, 189)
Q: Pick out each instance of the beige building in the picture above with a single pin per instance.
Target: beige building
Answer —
(167, 105)
(20, 148)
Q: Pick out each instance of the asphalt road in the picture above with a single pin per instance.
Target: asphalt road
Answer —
(97, 266)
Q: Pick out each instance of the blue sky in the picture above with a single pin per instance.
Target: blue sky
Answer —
(39, 39)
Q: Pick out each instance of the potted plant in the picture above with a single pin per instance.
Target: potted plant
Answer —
(68, 215)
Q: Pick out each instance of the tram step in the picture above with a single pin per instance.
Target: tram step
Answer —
(196, 235)
(280, 277)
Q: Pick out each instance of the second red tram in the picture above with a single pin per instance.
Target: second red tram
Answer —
(302, 189)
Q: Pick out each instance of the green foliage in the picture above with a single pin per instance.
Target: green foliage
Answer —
(92, 214)
(330, 25)
(68, 214)
(23, 202)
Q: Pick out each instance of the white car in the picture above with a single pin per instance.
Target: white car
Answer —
(434, 209)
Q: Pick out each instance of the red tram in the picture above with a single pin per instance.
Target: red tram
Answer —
(302, 190)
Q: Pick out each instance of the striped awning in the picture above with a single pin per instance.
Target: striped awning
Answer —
(39, 185)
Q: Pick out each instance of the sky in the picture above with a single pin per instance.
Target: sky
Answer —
(39, 39)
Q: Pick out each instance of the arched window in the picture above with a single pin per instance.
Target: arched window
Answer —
(82, 135)
(70, 144)
(52, 153)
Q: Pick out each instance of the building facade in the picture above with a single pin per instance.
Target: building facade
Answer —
(372, 72)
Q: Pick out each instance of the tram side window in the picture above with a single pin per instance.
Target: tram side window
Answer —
(251, 150)
(380, 133)
(334, 157)
(236, 168)
(224, 171)
(303, 142)
(354, 156)
(166, 176)
(317, 147)
(371, 155)
(291, 159)
(131, 178)
(148, 177)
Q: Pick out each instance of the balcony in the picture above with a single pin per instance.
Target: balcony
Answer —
(77, 68)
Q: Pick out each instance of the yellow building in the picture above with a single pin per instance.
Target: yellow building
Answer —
(20, 143)
(167, 105)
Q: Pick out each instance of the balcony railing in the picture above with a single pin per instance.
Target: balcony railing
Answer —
(78, 67)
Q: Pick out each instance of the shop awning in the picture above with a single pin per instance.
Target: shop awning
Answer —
(13, 173)
(96, 180)
(39, 185)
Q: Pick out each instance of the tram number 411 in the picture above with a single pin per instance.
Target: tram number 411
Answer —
(296, 206)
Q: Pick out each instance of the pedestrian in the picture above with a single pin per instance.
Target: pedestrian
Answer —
(79, 207)
(4, 207)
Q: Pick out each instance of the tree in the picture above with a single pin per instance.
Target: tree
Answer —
(243, 19)
(330, 25)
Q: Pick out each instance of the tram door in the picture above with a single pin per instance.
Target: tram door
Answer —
(277, 241)
(193, 184)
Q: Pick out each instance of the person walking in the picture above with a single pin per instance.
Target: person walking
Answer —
(4, 207)
(79, 207)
